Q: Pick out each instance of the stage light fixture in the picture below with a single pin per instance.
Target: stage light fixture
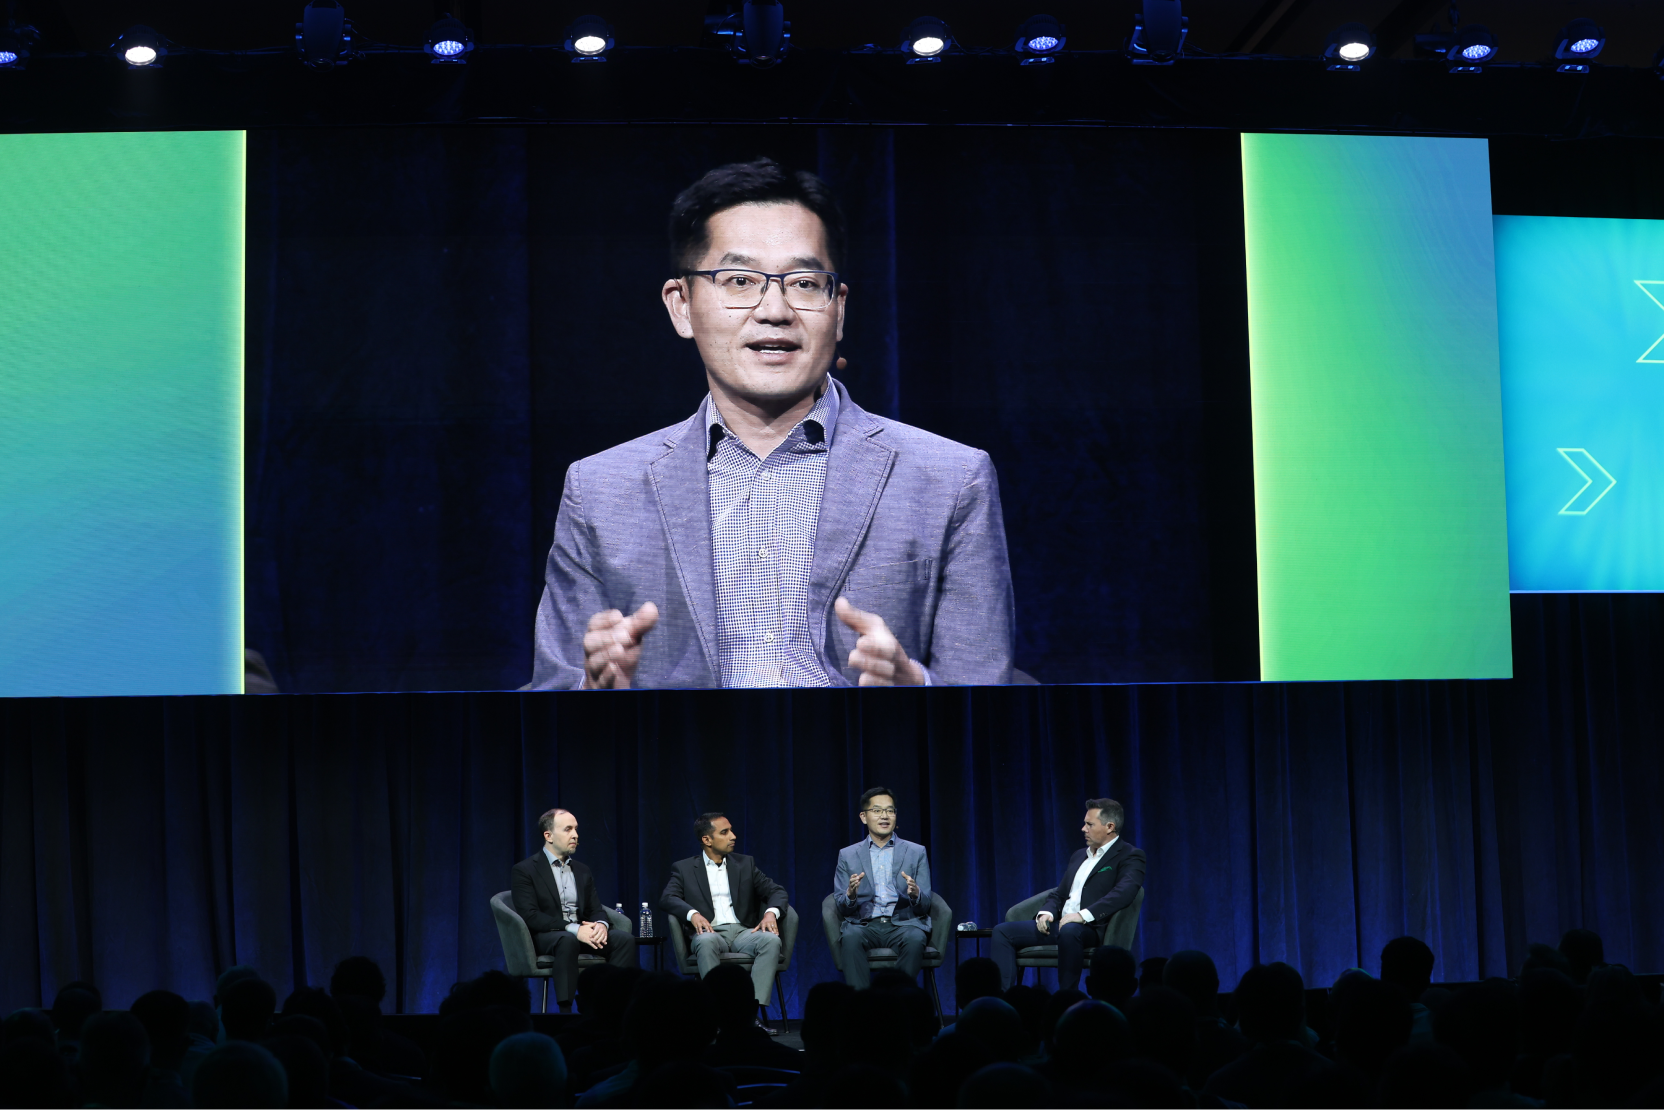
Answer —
(589, 38)
(757, 35)
(449, 41)
(1474, 45)
(1158, 33)
(141, 47)
(926, 38)
(1580, 41)
(16, 43)
(1349, 46)
(1040, 39)
(323, 34)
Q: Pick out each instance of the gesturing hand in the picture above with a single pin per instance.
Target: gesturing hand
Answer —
(854, 882)
(700, 925)
(912, 886)
(612, 647)
(878, 655)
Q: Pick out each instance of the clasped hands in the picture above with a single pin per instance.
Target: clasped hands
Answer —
(593, 933)
(612, 648)
(1043, 920)
(701, 924)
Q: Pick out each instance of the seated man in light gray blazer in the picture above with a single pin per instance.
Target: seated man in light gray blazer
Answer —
(883, 893)
(781, 535)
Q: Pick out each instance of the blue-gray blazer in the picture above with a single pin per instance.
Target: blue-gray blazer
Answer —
(857, 859)
(910, 528)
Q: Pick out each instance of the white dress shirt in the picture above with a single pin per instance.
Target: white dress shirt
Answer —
(1085, 872)
(722, 896)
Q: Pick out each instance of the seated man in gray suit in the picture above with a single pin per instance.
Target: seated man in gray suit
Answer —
(781, 535)
(556, 896)
(882, 889)
(730, 905)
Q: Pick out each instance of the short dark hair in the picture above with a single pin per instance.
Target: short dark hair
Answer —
(359, 975)
(705, 824)
(1270, 1003)
(1408, 962)
(866, 799)
(763, 181)
(1109, 811)
(546, 823)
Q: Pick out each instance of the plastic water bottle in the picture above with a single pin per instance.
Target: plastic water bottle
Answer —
(618, 908)
(646, 920)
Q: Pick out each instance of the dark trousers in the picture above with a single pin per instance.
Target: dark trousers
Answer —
(908, 944)
(620, 951)
(1072, 942)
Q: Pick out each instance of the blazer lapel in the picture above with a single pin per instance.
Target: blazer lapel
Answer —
(703, 882)
(681, 483)
(866, 866)
(545, 879)
(856, 470)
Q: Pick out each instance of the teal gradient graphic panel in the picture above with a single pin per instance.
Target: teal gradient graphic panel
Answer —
(1581, 303)
(121, 321)
(1378, 483)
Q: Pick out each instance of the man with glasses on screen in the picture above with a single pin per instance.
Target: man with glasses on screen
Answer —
(781, 536)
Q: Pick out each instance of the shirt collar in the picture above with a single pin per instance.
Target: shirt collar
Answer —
(818, 424)
(1100, 852)
(873, 844)
(553, 859)
(709, 862)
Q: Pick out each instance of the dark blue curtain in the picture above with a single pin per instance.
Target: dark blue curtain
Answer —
(442, 320)
(153, 842)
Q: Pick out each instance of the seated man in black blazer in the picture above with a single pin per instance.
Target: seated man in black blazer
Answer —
(730, 905)
(555, 894)
(1100, 879)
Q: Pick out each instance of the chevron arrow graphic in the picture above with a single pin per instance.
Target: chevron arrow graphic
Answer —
(1647, 288)
(1589, 496)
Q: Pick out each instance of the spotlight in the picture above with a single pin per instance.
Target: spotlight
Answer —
(757, 35)
(1580, 41)
(1040, 38)
(1158, 33)
(141, 47)
(589, 38)
(16, 42)
(323, 34)
(449, 41)
(1473, 47)
(1349, 46)
(926, 38)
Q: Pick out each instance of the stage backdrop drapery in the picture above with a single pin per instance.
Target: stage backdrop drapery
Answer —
(152, 842)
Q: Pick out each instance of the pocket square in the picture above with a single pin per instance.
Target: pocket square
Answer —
(1101, 870)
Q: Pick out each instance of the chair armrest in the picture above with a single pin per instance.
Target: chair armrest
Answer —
(678, 940)
(788, 937)
(1028, 907)
(618, 921)
(941, 922)
(833, 925)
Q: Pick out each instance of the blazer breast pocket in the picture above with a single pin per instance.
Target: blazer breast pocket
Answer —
(904, 594)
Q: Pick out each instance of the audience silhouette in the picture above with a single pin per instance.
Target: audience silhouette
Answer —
(1571, 1030)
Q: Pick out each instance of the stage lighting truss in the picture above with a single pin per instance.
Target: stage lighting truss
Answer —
(1158, 33)
(449, 41)
(588, 39)
(323, 36)
(1580, 41)
(17, 42)
(1040, 40)
(757, 35)
(926, 40)
(141, 48)
(1349, 46)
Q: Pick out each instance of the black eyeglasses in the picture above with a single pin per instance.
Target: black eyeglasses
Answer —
(804, 290)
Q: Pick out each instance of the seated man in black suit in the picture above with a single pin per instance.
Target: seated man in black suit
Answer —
(555, 894)
(1100, 879)
(729, 904)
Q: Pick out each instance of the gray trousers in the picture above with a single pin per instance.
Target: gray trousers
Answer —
(908, 943)
(762, 947)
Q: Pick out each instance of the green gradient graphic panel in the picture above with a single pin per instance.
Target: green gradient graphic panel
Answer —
(121, 330)
(1378, 478)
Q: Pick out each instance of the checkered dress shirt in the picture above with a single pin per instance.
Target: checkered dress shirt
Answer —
(763, 518)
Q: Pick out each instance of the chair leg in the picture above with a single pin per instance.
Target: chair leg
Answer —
(930, 973)
(545, 994)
